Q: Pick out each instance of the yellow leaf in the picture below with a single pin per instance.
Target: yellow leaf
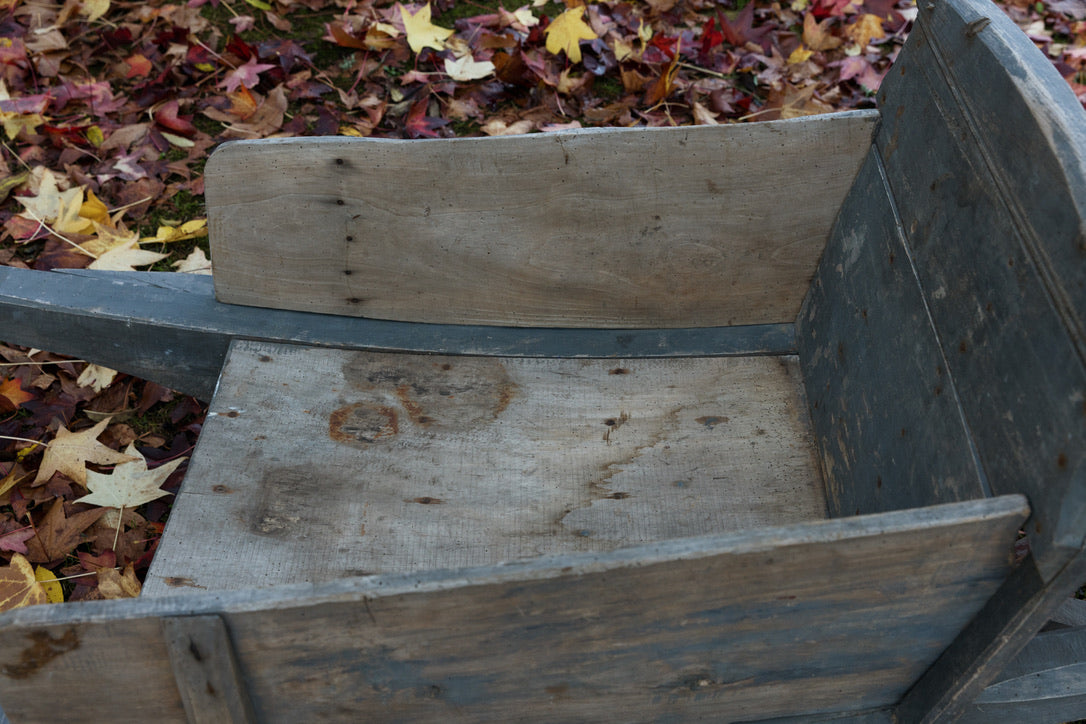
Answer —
(421, 33)
(93, 209)
(799, 55)
(865, 29)
(566, 33)
(94, 9)
(49, 583)
(18, 586)
(188, 230)
(96, 136)
(467, 68)
(96, 377)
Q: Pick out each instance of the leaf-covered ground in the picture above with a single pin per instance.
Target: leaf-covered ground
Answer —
(109, 110)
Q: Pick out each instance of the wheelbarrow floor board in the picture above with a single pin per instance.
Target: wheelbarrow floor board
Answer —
(721, 423)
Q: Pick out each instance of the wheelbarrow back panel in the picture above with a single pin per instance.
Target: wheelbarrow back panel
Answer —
(678, 227)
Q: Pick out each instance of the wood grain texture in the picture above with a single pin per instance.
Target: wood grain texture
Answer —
(206, 670)
(830, 616)
(170, 328)
(980, 136)
(1045, 684)
(444, 462)
(887, 424)
(616, 228)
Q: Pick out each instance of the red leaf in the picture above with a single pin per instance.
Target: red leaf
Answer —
(420, 125)
(166, 116)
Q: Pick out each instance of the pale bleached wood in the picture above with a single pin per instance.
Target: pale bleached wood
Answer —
(206, 671)
(681, 227)
(830, 616)
(315, 464)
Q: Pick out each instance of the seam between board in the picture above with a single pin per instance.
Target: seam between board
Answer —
(1029, 241)
(974, 453)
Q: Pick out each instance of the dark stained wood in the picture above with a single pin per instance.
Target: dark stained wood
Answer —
(833, 616)
(882, 404)
(206, 671)
(965, 111)
(169, 328)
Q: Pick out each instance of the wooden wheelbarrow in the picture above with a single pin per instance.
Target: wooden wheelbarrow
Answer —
(735, 423)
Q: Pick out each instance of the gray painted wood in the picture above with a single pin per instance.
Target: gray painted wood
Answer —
(169, 328)
(206, 671)
(615, 228)
(836, 615)
(883, 408)
(1045, 684)
(965, 111)
(321, 463)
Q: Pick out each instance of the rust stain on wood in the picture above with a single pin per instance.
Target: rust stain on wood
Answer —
(43, 648)
(362, 423)
(181, 581)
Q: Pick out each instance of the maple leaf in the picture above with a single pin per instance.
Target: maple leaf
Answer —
(865, 29)
(421, 33)
(18, 586)
(195, 263)
(247, 75)
(96, 377)
(58, 534)
(117, 585)
(467, 68)
(817, 36)
(188, 230)
(566, 33)
(16, 540)
(126, 258)
(69, 452)
(13, 390)
(130, 484)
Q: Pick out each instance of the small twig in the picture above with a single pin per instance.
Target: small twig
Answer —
(35, 362)
(76, 575)
(699, 69)
(57, 234)
(117, 532)
(24, 439)
(17, 156)
(129, 206)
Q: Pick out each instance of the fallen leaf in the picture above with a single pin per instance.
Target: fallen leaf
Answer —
(49, 583)
(16, 540)
(130, 484)
(96, 377)
(69, 452)
(817, 35)
(116, 585)
(247, 75)
(566, 33)
(126, 258)
(421, 33)
(195, 263)
(467, 68)
(865, 29)
(18, 586)
(13, 390)
(94, 9)
(59, 534)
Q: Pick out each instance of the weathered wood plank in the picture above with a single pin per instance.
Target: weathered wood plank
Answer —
(169, 328)
(445, 462)
(206, 671)
(883, 407)
(622, 228)
(969, 103)
(838, 615)
(1045, 684)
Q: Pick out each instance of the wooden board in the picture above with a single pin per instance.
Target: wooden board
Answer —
(819, 617)
(316, 464)
(681, 227)
(883, 406)
(170, 328)
(998, 282)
